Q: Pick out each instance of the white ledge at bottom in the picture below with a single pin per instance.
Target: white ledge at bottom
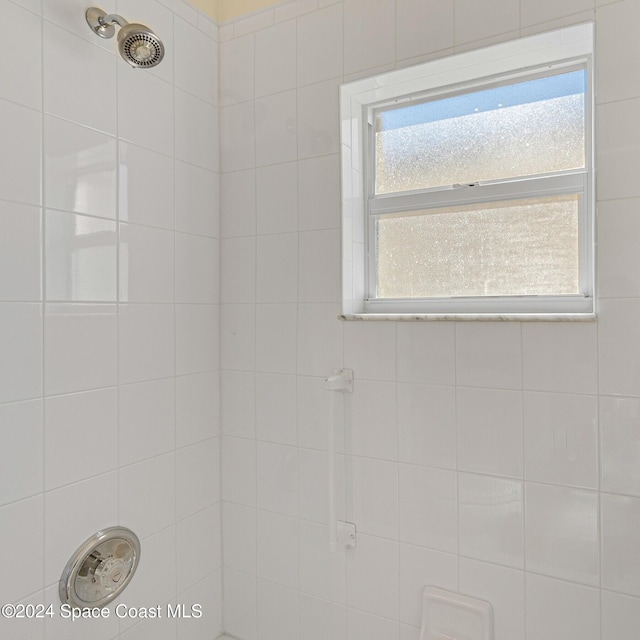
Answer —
(471, 317)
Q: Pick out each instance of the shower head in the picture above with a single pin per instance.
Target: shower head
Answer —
(137, 44)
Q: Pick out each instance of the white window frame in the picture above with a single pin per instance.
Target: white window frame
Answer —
(507, 62)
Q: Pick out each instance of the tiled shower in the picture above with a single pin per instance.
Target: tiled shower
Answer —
(169, 291)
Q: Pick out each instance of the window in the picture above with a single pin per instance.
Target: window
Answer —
(468, 186)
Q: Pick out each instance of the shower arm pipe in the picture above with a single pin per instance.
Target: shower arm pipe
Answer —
(113, 18)
(343, 532)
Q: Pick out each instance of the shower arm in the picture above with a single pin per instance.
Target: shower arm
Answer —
(101, 23)
(112, 18)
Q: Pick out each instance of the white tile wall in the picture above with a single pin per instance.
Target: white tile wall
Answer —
(96, 428)
(498, 459)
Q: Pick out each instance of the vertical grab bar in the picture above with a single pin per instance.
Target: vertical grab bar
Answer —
(341, 381)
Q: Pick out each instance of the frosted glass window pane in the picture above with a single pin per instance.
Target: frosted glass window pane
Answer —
(522, 129)
(516, 248)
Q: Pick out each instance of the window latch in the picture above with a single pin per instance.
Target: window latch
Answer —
(457, 185)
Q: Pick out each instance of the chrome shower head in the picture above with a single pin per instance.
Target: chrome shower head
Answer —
(137, 44)
(140, 46)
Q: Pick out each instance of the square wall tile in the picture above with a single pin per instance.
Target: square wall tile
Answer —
(319, 264)
(535, 12)
(134, 123)
(319, 181)
(20, 80)
(240, 605)
(560, 356)
(238, 403)
(370, 350)
(277, 198)
(144, 408)
(489, 354)
(197, 342)
(276, 338)
(146, 264)
(197, 199)
(191, 44)
(321, 619)
(22, 529)
(239, 471)
(237, 137)
(73, 424)
(618, 143)
(238, 202)
(197, 478)
(558, 610)
(620, 616)
(491, 519)
(81, 258)
(237, 71)
(318, 119)
(197, 408)
(371, 430)
(427, 425)
(561, 439)
(275, 403)
(79, 169)
(275, 58)
(618, 261)
(562, 533)
(277, 542)
(490, 431)
(79, 79)
(320, 45)
(20, 162)
(322, 573)
(146, 343)
(479, 20)
(277, 268)
(198, 555)
(420, 567)
(319, 339)
(146, 186)
(374, 486)
(80, 347)
(620, 444)
(373, 627)
(373, 577)
(617, 49)
(239, 532)
(276, 137)
(428, 507)
(197, 269)
(313, 412)
(196, 131)
(277, 478)
(237, 336)
(423, 27)
(277, 612)
(21, 430)
(426, 352)
(147, 495)
(20, 251)
(503, 588)
(620, 559)
(369, 34)
(238, 270)
(618, 336)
